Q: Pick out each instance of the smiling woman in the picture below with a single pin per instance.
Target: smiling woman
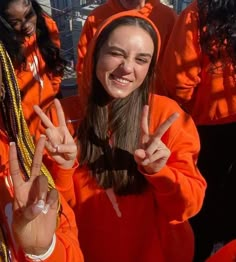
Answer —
(137, 183)
(123, 62)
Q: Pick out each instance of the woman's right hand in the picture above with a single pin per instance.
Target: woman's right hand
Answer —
(60, 143)
(34, 207)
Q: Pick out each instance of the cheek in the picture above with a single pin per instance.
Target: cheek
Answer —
(142, 73)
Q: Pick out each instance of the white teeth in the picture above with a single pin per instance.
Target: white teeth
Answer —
(121, 80)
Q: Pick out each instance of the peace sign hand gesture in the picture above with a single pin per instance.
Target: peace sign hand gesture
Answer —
(153, 153)
(34, 207)
(60, 143)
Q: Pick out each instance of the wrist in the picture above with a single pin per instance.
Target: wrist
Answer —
(39, 254)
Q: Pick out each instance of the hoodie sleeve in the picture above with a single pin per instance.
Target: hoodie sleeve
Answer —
(181, 64)
(54, 34)
(179, 187)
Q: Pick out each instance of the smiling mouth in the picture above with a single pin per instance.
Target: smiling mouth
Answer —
(120, 79)
(30, 31)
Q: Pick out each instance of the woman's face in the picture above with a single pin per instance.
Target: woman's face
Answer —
(124, 60)
(22, 18)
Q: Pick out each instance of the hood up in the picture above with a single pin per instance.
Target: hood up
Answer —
(89, 59)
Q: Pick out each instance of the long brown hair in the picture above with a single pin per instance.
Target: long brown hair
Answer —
(119, 122)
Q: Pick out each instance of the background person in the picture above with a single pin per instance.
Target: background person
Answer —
(32, 42)
(199, 72)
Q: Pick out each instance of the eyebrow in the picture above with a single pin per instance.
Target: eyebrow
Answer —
(122, 51)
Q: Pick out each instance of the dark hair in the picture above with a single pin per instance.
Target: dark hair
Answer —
(218, 30)
(115, 167)
(49, 51)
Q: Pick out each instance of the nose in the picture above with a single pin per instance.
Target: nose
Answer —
(25, 25)
(127, 65)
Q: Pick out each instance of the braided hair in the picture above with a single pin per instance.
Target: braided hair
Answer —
(16, 127)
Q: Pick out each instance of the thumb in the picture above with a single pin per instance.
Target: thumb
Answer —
(139, 156)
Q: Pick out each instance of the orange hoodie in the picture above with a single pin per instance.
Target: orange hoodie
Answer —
(151, 226)
(37, 84)
(162, 16)
(207, 93)
(225, 254)
(67, 247)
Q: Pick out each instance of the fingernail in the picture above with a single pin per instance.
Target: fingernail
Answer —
(12, 143)
(145, 162)
(46, 208)
(40, 204)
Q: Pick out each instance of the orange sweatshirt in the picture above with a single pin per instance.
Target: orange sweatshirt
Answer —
(67, 248)
(153, 226)
(225, 254)
(37, 84)
(161, 15)
(207, 92)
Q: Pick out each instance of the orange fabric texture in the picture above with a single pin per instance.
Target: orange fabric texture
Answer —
(67, 247)
(37, 84)
(225, 254)
(206, 91)
(153, 226)
(162, 16)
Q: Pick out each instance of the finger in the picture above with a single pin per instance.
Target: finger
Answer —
(46, 121)
(38, 155)
(139, 155)
(52, 137)
(165, 126)
(39, 189)
(67, 149)
(17, 179)
(50, 147)
(30, 212)
(60, 113)
(52, 201)
(160, 154)
(144, 120)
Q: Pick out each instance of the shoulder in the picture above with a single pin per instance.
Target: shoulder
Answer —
(49, 21)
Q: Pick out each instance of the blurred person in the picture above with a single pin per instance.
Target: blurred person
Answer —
(31, 39)
(199, 72)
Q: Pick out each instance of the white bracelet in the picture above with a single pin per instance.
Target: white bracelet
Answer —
(45, 255)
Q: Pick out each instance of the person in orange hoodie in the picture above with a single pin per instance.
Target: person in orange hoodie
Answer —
(137, 182)
(32, 41)
(36, 223)
(199, 70)
(162, 16)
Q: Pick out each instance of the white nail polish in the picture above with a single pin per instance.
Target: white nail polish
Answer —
(45, 209)
(40, 204)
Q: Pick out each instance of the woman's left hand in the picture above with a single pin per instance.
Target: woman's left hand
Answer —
(60, 143)
(34, 207)
(153, 154)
